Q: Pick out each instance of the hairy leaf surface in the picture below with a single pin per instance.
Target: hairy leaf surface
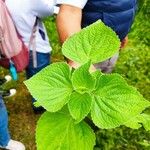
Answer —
(52, 86)
(115, 102)
(82, 80)
(145, 120)
(79, 105)
(57, 131)
(96, 75)
(96, 42)
(138, 121)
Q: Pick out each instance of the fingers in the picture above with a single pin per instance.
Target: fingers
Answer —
(76, 65)
(124, 42)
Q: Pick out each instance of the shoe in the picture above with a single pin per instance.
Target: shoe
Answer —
(14, 145)
(8, 93)
(6, 79)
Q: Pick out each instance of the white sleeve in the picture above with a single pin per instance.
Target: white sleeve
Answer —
(43, 8)
(77, 3)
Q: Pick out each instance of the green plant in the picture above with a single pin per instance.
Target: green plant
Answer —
(69, 96)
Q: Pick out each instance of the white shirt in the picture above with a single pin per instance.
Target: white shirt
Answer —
(24, 13)
(77, 3)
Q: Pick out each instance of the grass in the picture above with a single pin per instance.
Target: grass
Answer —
(133, 64)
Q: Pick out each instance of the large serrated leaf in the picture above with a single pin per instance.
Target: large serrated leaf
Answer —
(52, 86)
(57, 131)
(115, 102)
(96, 42)
(79, 105)
(82, 80)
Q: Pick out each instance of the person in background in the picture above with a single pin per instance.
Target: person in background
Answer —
(70, 19)
(25, 13)
(118, 15)
(5, 140)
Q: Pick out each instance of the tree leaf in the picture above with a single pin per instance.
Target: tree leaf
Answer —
(57, 131)
(52, 86)
(82, 80)
(79, 105)
(115, 102)
(96, 42)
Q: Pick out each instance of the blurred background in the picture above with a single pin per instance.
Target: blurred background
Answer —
(133, 65)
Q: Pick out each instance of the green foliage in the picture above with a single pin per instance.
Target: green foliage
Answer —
(79, 105)
(109, 99)
(82, 80)
(59, 131)
(95, 43)
(54, 84)
(141, 27)
(115, 102)
(145, 119)
(49, 23)
(133, 64)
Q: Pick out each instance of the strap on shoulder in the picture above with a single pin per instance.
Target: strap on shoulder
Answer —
(32, 42)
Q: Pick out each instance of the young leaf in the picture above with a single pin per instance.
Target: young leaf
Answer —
(96, 42)
(137, 122)
(115, 102)
(52, 86)
(145, 120)
(79, 105)
(133, 123)
(82, 80)
(96, 75)
(58, 131)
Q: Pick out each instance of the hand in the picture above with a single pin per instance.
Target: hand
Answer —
(124, 42)
(75, 65)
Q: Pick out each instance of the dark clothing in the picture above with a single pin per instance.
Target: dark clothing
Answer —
(43, 60)
(117, 14)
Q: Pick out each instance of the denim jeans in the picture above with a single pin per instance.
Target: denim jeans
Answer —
(4, 133)
(43, 60)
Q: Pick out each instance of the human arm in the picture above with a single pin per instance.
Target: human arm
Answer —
(68, 20)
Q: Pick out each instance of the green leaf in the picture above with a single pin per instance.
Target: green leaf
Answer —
(52, 86)
(79, 105)
(96, 75)
(133, 123)
(137, 122)
(96, 42)
(57, 131)
(115, 103)
(145, 143)
(146, 121)
(82, 80)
